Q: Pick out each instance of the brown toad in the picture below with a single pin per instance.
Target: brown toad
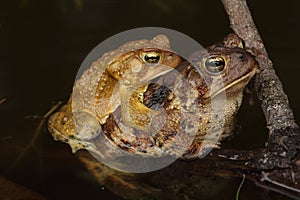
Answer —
(200, 107)
(105, 85)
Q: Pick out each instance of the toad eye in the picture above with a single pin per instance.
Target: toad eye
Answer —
(151, 57)
(215, 64)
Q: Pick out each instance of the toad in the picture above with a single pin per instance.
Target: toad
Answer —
(105, 85)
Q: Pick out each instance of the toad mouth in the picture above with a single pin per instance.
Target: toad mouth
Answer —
(246, 77)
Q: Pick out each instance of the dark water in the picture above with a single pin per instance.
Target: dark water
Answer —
(43, 43)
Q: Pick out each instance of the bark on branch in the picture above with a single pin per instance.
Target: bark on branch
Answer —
(281, 155)
(274, 101)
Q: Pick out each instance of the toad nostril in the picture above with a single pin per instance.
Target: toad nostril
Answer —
(170, 56)
(242, 58)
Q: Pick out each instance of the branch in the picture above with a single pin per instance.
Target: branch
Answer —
(274, 101)
(282, 149)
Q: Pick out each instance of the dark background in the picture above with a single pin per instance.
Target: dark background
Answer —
(42, 44)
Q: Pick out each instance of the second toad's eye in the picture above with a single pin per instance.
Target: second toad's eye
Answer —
(215, 64)
(151, 57)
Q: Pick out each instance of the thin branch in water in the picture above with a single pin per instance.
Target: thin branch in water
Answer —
(34, 117)
(3, 100)
(266, 178)
(35, 135)
(280, 191)
(6, 138)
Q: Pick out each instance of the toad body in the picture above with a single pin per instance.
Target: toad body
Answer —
(105, 85)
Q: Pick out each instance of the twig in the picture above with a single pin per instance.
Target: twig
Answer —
(6, 138)
(266, 178)
(2, 100)
(35, 135)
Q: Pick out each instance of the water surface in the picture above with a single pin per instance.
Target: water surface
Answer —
(44, 42)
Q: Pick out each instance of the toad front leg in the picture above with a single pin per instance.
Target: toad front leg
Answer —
(74, 128)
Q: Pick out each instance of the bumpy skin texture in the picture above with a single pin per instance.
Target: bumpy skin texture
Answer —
(194, 111)
(104, 86)
(216, 113)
